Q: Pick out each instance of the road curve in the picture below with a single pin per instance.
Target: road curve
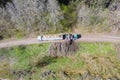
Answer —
(86, 38)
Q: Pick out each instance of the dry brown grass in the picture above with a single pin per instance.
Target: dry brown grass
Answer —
(117, 47)
(97, 66)
(5, 69)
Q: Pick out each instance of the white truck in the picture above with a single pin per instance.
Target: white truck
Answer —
(59, 37)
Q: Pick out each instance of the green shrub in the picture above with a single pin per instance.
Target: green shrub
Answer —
(70, 15)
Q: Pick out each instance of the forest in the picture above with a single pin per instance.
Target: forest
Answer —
(21, 18)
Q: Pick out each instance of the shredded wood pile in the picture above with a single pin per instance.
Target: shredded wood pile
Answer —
(62, 49)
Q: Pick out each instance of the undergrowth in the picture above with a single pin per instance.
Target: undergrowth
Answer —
(94, 60)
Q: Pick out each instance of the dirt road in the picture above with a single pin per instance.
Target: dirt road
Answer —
(85, 38)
